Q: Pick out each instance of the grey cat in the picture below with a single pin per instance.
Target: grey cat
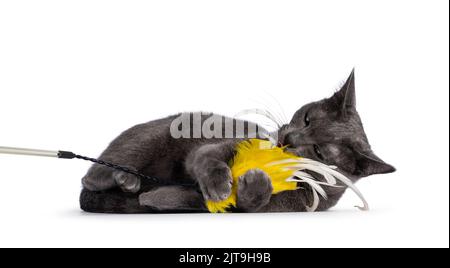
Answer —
(195, 170)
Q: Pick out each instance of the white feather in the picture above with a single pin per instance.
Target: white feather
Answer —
(328, 172)
(318, 169)
(318, 182)
(270, 138)
(313, 183)
(284, 161)
(303, 174)
(350, 184)
(315, 204)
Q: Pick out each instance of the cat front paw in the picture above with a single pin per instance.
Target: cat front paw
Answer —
(216, 181)
(127, 182)
(254, 190)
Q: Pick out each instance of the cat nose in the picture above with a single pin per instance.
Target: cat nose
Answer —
(292, 138)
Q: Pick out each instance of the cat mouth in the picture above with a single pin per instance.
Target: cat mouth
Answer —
(282, 137)
(281, 140)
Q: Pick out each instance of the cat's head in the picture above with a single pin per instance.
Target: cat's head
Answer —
(331, 131)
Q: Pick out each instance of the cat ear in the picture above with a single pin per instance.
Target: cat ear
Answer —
(346, 96)
(368, 163)
(349, 91)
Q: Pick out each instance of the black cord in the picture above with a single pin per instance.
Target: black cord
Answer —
(116, 167)
(70, 155)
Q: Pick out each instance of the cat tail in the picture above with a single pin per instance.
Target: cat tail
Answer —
(112, 201)
(118, 202)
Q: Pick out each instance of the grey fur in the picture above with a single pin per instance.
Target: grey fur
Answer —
(254, 190)
(329, 131)
(172, 198)
(127, 182)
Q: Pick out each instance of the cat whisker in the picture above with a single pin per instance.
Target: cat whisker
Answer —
(269, 106)
(268, 109)
(262, 112)
(283, 113)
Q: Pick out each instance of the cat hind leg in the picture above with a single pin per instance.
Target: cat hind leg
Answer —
(100, 178)
(166, 198)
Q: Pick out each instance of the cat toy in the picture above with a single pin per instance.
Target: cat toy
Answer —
(70, 155)
(285, 170)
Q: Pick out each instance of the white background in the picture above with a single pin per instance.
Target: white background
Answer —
(74, 74)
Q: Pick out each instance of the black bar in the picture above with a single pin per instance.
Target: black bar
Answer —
(66, 155)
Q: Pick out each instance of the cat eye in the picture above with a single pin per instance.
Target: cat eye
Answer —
(318, 152)
(307, 120)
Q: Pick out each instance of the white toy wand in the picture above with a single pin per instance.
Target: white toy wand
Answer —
(32, 152)
(70, 155)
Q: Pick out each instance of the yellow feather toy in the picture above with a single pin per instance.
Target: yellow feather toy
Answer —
(284, 169)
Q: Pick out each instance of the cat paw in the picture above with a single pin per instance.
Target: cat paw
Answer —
(216, 182)
(101, 178)
(254, 190)
(127, 182)
(98, 178)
